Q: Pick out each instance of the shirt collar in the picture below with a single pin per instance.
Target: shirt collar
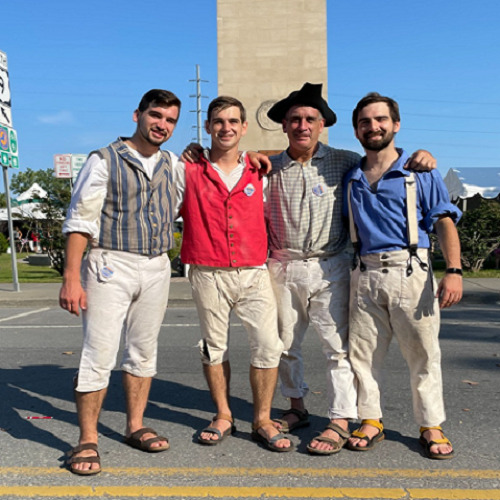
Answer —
(287, 161)
(398, 166)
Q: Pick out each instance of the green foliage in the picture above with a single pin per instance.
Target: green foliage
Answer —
(176, 249)
(479, 234)
(53, 207)
(4, 243)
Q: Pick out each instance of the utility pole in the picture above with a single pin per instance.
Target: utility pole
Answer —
(199, 129)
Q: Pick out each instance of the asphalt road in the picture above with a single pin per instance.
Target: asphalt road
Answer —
(39, 351)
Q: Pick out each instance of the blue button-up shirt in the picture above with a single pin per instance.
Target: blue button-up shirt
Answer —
(380, 212)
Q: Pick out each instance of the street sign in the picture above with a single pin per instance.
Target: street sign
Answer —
(5, 99)
(8, 147)
(77, 162)
(62, 166)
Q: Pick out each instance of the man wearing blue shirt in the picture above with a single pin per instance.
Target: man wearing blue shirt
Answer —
(393, 291)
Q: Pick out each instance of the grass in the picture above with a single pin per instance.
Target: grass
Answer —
(25, 272)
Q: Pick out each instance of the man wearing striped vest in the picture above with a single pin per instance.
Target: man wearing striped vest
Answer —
(122, 206)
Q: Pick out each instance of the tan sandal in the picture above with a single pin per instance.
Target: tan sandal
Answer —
(217, 432)
(370, 442)
(337, 445)
(427, 444)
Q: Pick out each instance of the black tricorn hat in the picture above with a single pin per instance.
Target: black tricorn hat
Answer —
(308, 95)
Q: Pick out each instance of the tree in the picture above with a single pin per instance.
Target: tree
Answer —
(479, 234)
(54, 208)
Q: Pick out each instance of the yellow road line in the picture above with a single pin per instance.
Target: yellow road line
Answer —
(243, 492)
(265, 472)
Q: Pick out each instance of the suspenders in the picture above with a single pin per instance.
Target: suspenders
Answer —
(411, 224)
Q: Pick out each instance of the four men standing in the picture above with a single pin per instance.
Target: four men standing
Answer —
(122, 204)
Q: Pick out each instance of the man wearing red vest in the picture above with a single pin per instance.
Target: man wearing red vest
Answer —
(220, 198)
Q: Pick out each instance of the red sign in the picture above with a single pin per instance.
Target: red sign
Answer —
(62, 166)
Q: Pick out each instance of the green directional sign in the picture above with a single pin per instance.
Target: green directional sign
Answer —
(8, 147)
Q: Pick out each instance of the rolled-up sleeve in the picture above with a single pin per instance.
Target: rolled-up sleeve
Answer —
(89, 193)
(435, 200)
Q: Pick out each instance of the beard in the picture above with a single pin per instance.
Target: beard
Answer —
(377, 144)
(155, 141)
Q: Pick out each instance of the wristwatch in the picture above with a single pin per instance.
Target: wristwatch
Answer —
(454, 270)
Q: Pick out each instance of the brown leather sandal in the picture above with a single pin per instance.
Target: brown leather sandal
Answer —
(79, 460)
(134, 440)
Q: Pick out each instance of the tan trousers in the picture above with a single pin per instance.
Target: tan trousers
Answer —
(385, 302)
(316, 291)
(247, 292)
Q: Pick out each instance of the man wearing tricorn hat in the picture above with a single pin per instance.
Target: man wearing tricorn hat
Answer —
(308, 259)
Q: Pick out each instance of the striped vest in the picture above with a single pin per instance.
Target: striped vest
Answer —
(137, 213)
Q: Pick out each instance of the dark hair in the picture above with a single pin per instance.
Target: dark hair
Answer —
(223, 102)
(372, 98)
(159, 97)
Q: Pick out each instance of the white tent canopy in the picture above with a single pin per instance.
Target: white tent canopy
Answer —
(467, 182)
(26, 205)
(35, 192)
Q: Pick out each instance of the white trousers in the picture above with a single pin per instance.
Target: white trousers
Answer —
(316, 291)
(126, 294)
(249, 293)
(386, 302)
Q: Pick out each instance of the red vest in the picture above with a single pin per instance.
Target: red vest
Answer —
(222, 228)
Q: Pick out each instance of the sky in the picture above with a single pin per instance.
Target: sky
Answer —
(78, 69)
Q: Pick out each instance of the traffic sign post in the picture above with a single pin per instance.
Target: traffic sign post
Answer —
(8, 154)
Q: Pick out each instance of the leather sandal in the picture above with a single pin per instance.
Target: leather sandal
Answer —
(79, 460)
(134, 440)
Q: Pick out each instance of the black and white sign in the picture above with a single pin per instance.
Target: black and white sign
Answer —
(5, 100)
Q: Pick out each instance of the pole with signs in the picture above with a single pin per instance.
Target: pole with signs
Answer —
(8, 154)
(67, 166)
